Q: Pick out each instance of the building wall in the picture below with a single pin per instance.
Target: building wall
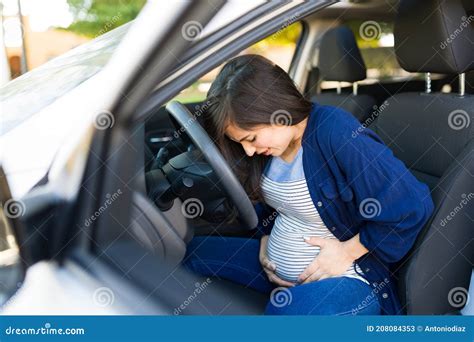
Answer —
(43, 46)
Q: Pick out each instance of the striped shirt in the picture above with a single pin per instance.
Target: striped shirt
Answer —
(284, 188)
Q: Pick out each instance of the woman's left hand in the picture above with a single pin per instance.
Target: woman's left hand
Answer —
(333, 260)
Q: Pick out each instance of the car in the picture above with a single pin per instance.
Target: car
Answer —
(106, 176)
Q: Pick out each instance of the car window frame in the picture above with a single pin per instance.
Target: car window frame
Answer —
(296, 53)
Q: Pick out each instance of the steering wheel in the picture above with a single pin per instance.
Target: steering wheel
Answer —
(214, 158)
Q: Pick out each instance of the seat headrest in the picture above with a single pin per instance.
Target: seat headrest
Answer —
(339, 56)
(434, 36)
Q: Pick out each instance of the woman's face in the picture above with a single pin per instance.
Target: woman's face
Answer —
(264, 139)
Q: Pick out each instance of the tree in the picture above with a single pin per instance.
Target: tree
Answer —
(95, 17)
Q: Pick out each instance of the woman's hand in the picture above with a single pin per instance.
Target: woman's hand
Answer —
(270, 267)
(335, 258)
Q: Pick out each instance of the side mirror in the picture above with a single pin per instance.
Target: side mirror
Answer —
(12, 258)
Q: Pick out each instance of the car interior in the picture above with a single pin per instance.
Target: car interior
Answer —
(182, 163)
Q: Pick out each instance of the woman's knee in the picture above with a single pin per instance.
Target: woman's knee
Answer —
(234, 259)
(216, 252)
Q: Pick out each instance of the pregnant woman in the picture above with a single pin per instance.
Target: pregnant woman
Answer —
(339, 208)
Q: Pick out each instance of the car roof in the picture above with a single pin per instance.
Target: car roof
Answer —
(383, 10)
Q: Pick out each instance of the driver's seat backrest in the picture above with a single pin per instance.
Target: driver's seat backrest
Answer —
(433, 134)
(340, 60)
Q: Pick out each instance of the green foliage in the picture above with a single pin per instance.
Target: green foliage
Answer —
(95, 17)
(287, 35)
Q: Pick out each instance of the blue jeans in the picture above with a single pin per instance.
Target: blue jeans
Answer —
(236, 259)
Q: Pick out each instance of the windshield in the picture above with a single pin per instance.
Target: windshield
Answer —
(28, 94)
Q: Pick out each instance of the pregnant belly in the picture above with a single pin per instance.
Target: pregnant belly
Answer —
(290, 253)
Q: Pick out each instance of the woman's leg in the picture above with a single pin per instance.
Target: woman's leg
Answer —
(330, 296)
(232, 258)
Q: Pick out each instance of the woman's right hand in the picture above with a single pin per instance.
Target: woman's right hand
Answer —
(270, 267)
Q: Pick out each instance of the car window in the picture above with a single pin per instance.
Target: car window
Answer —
(376, 42)
(28, 94)
(231, 11)
(278, 47)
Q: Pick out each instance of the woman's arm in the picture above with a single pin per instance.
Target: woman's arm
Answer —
(393, 205)
(391, 202)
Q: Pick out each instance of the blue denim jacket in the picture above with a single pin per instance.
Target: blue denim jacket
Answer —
(358, 186)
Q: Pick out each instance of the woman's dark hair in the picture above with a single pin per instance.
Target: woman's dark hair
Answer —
(249, 91)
